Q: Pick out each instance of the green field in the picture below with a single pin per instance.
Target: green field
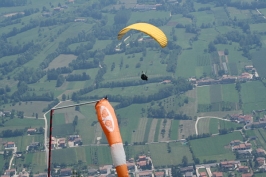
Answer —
(259, 61)
(261, 137)
(150, 64)
(253, 96)
(204, 17)
(130, 117)
(61, 61)
(239, 14)
(147, 130)
(203, 95)
(29, 108)
(229, 93)
(174, 129)
(35, 160)
(223, 97)
(135, 151)
(87, 154)
(157, 131)
(257, 27)
(161, 157)
(18, 123)
(151, 88)
(216, 147)
(220, 15)
(215, 93)
(212, 125)
(187, 62)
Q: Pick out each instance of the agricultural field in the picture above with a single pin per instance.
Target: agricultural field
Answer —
(161, 157)
(212, 125)
(174, 129)
(29, 108)
(203, 95)
(182, 37)
(258, 62)
(220, 15)
(125, 66)
(89, 154)
(188, 60)
(260, 141)
(135, 151)
(204, 17)
(139, 134)
(153, 126)
(223, 97)
(151, 88)
(190, 108)
(236, 62)
(186, 128)
(253, 96)
(130, 117)
(17, 123)
(146, 16)
(61, 61)
(239, 14)
(34, 160)
(257, 27)
(217, 147)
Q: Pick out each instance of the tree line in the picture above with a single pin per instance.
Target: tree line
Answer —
(11, 3)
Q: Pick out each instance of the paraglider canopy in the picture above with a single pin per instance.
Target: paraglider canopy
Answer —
(148, 29)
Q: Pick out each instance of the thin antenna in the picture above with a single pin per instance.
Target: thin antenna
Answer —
(51, 128)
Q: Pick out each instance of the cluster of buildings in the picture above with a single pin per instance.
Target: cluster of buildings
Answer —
(225, 79)
(5, 113)
(146, 7)
(73, 140)
(237, 145)
(136, 168)
(240, 118)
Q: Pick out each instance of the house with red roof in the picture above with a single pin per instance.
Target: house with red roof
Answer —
(217, 174)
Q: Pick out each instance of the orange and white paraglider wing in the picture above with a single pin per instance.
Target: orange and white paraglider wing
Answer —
(108, 121)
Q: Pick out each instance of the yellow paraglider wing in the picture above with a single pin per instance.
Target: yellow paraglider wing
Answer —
(148, 29)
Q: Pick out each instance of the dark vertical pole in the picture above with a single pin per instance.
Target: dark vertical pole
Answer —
(50, 142)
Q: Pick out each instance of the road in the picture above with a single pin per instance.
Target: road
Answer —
(260, 13)
(11, 160)
(45, 134)
(212, 117)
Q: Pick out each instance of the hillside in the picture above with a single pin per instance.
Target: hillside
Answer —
(66, 52)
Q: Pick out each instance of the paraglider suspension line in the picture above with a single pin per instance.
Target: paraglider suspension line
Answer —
(51, 128)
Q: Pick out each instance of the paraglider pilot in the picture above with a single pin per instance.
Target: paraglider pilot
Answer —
(144, 76)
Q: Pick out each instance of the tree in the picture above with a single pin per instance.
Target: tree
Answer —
(238, 86)
(77, 108)
(211, 47)
(64, 97)
(41, 130)
(226, 51)
(36, 115)
(75, 122)
(184, 161)
(60, 80)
